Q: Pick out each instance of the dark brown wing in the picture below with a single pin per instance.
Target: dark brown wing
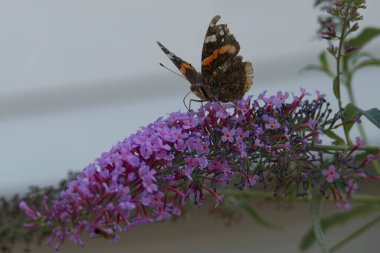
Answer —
(225, 76)
(186, 69)
(219, 47)
(230, 83)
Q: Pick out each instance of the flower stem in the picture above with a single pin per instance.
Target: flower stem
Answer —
(338, 66)
(267, 195)
(351, 98)
(343, 148)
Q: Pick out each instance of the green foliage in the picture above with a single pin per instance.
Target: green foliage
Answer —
(366, 63)
(364, 37)
(355, 234)
(332, 135)
(350, 112)
(323, 65)
(336, 87)
(353, 62)
(335, 220)
(316, 202)
(233, 207)
(255, 215)
(373, 115)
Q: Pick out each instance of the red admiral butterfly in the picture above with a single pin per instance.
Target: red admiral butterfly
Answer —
(224, 76)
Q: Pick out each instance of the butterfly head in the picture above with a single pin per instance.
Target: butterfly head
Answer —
(197, 87)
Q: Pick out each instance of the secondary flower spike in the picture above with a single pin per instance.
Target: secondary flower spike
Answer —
(148, 176)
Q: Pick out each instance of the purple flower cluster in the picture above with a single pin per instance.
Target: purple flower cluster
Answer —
(342, 15)
(149, 176)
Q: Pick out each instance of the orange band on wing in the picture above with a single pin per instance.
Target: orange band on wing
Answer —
(222, 50)
(183, 68)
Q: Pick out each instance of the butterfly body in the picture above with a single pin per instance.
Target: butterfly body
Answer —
(224, 76)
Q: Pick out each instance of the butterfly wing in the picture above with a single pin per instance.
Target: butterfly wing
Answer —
(186, 69)
(230, 83)
(219, 46)
(225, 76)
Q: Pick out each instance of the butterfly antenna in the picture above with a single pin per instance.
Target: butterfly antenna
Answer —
(162, 65)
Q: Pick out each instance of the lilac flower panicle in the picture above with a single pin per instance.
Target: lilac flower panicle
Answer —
(340, 15)
(189, 156)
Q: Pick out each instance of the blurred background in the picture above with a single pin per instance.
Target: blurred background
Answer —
(76, 77)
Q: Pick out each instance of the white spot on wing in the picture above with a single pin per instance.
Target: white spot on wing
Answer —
(211, 38)
(225, 66)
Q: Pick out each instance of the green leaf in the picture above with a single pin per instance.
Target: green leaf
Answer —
(350, 111)
(337, 139)
(376, 166)
(367, 63)
(373, 115)
(336, 87)
(361, 157)
(361, 55)
(355, 234)
(316, 202)
(254, 214)
(312, 67)
(325, 64)
(337, 219)
(324, 67)
(364, 37)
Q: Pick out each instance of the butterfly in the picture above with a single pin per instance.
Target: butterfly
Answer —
(224, 76)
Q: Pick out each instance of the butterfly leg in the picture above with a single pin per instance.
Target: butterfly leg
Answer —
(219, 103)
(194, 100)
(184, 101)
(191, 100)
(231, 103)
